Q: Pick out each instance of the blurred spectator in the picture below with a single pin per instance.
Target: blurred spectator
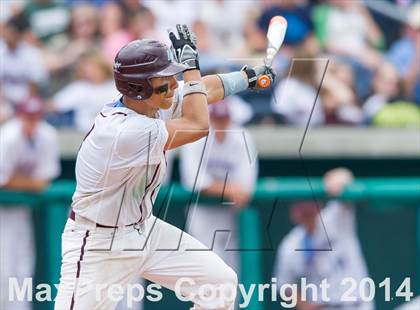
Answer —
(255, 41)
(225, 37)
(338, 100)
(22, 69)
(313, 252)
(386, 88)
(224, 167)
(210, 62)
(113, 31)
(47, 18)
(6, 109)
(298, 16)
(86, 95)
(9, 9)
(132, 6)
(142, 24)
(405, 55)
(64, 51)
(29, 161)
(385, 14)
(96, 3)
(168, 13)
(295, 96)
(346, 28)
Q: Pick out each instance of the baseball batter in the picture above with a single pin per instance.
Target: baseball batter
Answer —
(111, 235)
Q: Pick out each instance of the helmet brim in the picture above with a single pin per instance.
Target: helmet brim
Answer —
(173, 69)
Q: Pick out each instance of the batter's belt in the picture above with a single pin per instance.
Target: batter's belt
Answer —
(73, 216)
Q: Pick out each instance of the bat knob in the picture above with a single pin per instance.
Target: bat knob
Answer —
(264, 81)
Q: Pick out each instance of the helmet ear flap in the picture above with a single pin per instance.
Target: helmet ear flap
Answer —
(135, 87)
(138, 90)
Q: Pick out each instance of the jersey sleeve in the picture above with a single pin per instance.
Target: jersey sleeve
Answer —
(141, 142)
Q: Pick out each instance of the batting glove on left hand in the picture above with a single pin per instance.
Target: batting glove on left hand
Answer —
(254, 73)
(185, 47)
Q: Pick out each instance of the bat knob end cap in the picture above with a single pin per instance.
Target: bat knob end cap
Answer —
(264, 81)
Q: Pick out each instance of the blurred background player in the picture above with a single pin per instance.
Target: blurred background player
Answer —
(228, 171)
(29, 161)
(82, 99)
(22, 69)
(305, 251)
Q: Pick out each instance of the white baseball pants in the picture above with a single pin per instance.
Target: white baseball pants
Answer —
(97, 262)
(17, 253)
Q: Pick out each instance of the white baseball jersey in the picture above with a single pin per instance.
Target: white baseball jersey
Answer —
(344, 260)
(18, 69)
(38, 158)
(121, 164)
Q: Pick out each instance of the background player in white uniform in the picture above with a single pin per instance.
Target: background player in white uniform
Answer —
(111, 235)
(228, 170)
(22, 69)
(29, 160)
(345, 260)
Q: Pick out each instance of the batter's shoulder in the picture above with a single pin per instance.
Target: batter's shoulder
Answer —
(142, 140)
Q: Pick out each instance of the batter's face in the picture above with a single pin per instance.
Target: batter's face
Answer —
(163, 92)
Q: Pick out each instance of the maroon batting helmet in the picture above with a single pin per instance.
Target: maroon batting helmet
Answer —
(139, 61)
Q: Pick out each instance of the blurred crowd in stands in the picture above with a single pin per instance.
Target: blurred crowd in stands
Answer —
(360, 65)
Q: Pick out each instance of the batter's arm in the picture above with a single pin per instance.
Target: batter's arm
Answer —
(223, 85)
(214, 87)
(194, 123)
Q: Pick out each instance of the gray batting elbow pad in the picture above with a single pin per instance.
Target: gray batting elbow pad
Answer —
(233, 82)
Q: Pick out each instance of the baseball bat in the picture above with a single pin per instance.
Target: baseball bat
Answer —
(275, 37)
